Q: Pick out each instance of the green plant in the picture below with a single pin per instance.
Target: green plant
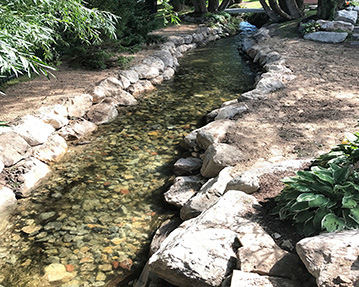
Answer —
(325, 198)
(311, 28)
(167, 13)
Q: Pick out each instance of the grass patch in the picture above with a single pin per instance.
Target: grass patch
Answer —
(289, 29)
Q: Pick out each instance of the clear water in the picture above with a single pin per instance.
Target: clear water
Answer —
(96, 214)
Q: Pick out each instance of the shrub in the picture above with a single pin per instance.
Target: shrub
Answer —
(325, 198)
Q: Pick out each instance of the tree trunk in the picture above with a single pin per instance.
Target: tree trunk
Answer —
(224, 5)
(294, 10)
(178, 5)
(273, 16)
(283, 6)
(327, 9)
(213, 5)
(199, 6)
(278, 10)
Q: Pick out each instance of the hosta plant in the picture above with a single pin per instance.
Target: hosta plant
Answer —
(326, 198)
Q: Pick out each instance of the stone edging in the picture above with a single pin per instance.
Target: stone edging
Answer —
(28, 144)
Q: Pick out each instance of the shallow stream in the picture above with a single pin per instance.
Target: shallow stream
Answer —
(94, 217)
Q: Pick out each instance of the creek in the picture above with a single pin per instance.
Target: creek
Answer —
(90, 223)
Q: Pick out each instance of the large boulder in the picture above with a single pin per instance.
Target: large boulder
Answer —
(183, 189)
(31, 171)
(228, 112)
(34, 130)
(217, 157)
(335, 26)
(146, 71)
(79, 104)
(209, 193)
(13, 148)
(187, 166)
(107, 88)
(201, 252)
(102, 113)
(124, 98)
(213, 132)
(327, 37)
(54, 115)
(77, 129)
(7, 203)
(165, 56)
(131, 75)
(332, 258)
(347, 16)
(140, 87)
(154, 62)
(246, 279)
(51, 151)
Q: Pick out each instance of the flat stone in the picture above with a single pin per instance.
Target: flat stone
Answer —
(13, 148)
(102, 113)
(217, 157)
(332, 258)
(79, 104)
(33, 171)
(51, 151)
(183, 189)
(347, 16)
(246, 279)
(187, 166)
(327, 37)
(34, 130)
(56, 272)
(335, 26)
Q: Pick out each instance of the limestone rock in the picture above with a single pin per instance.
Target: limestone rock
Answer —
(201, 252)
(177, 40)
(34, 130)
(168, 73)
(51, 151)
(335, 26)
(187, 166)
(248, 181)
(332, 258)
(54, 115)
(131, 75)
(213, 133)
(154, 62)
(124, 98)
(347, 16)
(162, 233)
(1, 166)
(229, 112)
(158, 80)
(217, 157)
(78, 105)
(269, 84)
(165, 56)
(326, 37)
(56, 273)
(13, 148)
(272, 261)
(7, 203)
(107, 87)
(145, 71)
(246, 279)
(183, 189)
(32, 171)
(140, 87)
(209, 193)
(102, 113)
(77, 129)
(125, 82)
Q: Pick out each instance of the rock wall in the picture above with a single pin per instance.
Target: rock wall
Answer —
(30, 143)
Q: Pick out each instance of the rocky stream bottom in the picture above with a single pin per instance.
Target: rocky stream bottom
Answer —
(90, 223)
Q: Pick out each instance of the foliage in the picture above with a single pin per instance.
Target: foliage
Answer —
(167, 13)
(311, 27)
(326, 198)
(31, 29)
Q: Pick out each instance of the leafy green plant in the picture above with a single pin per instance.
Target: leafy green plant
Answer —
(167, 13)
(325, 198)
(311, 28)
